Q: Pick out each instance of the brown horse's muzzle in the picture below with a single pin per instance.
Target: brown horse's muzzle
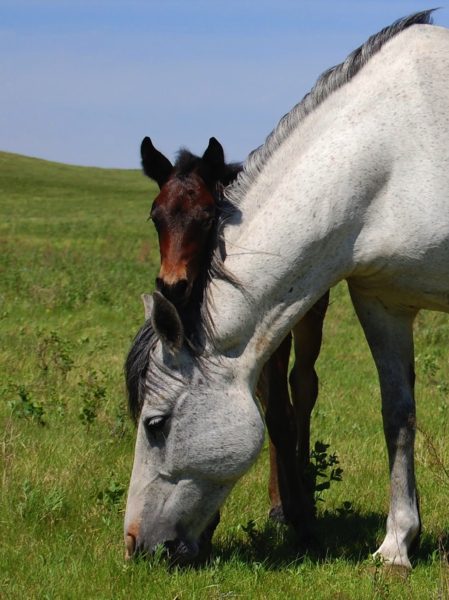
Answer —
(178, 293)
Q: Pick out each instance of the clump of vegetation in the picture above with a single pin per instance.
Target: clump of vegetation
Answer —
(25, 407)
(111, 499)
(111, 496)
(323, 469)
(53, 352)
(93, 393)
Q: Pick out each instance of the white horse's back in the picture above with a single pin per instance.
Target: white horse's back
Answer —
(374, 156)
(402, 253)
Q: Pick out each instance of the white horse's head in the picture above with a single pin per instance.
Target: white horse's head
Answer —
(199, 430)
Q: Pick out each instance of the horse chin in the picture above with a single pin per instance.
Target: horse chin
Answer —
(182, 552)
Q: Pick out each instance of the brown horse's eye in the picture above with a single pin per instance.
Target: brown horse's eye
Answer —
(207, 223)
(154, 217)
(207, 220)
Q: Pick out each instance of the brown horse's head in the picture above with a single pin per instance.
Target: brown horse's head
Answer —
(184, 213)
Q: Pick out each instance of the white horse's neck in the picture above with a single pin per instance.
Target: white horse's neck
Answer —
(303, 214)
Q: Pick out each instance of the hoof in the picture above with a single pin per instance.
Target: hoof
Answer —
(276, 514)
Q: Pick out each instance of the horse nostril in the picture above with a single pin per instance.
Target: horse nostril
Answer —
(181, 287)
(130, 543)
(175, 292)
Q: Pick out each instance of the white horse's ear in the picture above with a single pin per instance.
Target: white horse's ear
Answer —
(167, 323)
(147, 300)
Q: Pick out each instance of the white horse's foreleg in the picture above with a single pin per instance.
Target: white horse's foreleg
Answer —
(389, 332)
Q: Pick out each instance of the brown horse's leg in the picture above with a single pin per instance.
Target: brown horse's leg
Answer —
(276, 512)
(304, 380)
(280, 418)
(274, 397)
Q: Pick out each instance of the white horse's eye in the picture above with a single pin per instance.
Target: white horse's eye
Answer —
(155, 424)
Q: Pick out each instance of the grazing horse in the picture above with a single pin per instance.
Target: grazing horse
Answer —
(186, 214)
(352, 184)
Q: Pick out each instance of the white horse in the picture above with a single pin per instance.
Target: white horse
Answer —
(352, 184)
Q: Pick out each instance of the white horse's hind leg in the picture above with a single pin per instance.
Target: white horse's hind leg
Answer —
(389, 332)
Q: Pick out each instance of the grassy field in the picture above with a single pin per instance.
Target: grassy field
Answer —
(76, 252)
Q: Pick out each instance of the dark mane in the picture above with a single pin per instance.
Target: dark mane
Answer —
(136, 366)
(144, 373)
(186, 163)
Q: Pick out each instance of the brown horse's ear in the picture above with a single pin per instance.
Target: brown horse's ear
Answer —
(166, 323)
(214, 154)
(155, 165)
(147, 300)
(212, 162)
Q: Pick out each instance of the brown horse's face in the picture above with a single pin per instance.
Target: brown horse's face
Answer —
(183, 214)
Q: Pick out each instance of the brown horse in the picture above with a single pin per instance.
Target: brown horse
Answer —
(186, 212)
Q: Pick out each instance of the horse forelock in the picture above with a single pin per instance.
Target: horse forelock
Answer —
(329, 81)
(146, 375)
(186, 163)
(136, 366)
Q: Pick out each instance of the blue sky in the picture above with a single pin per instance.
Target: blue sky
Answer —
(84, 81)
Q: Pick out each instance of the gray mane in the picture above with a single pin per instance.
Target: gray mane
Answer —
(331, 80)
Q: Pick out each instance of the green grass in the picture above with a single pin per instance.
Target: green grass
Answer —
(76, 252)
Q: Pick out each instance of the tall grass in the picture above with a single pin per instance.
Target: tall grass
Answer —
(76, 252)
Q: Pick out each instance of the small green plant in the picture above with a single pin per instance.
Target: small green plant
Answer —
(25, 407)
(112, 495)
(323, 469)
(345, 509)
(380, 582)
(53, 352)
(250, 529)
(437, 461)
(257, 538)
(92, 393)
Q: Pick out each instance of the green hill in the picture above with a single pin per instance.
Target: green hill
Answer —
(71, 235)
